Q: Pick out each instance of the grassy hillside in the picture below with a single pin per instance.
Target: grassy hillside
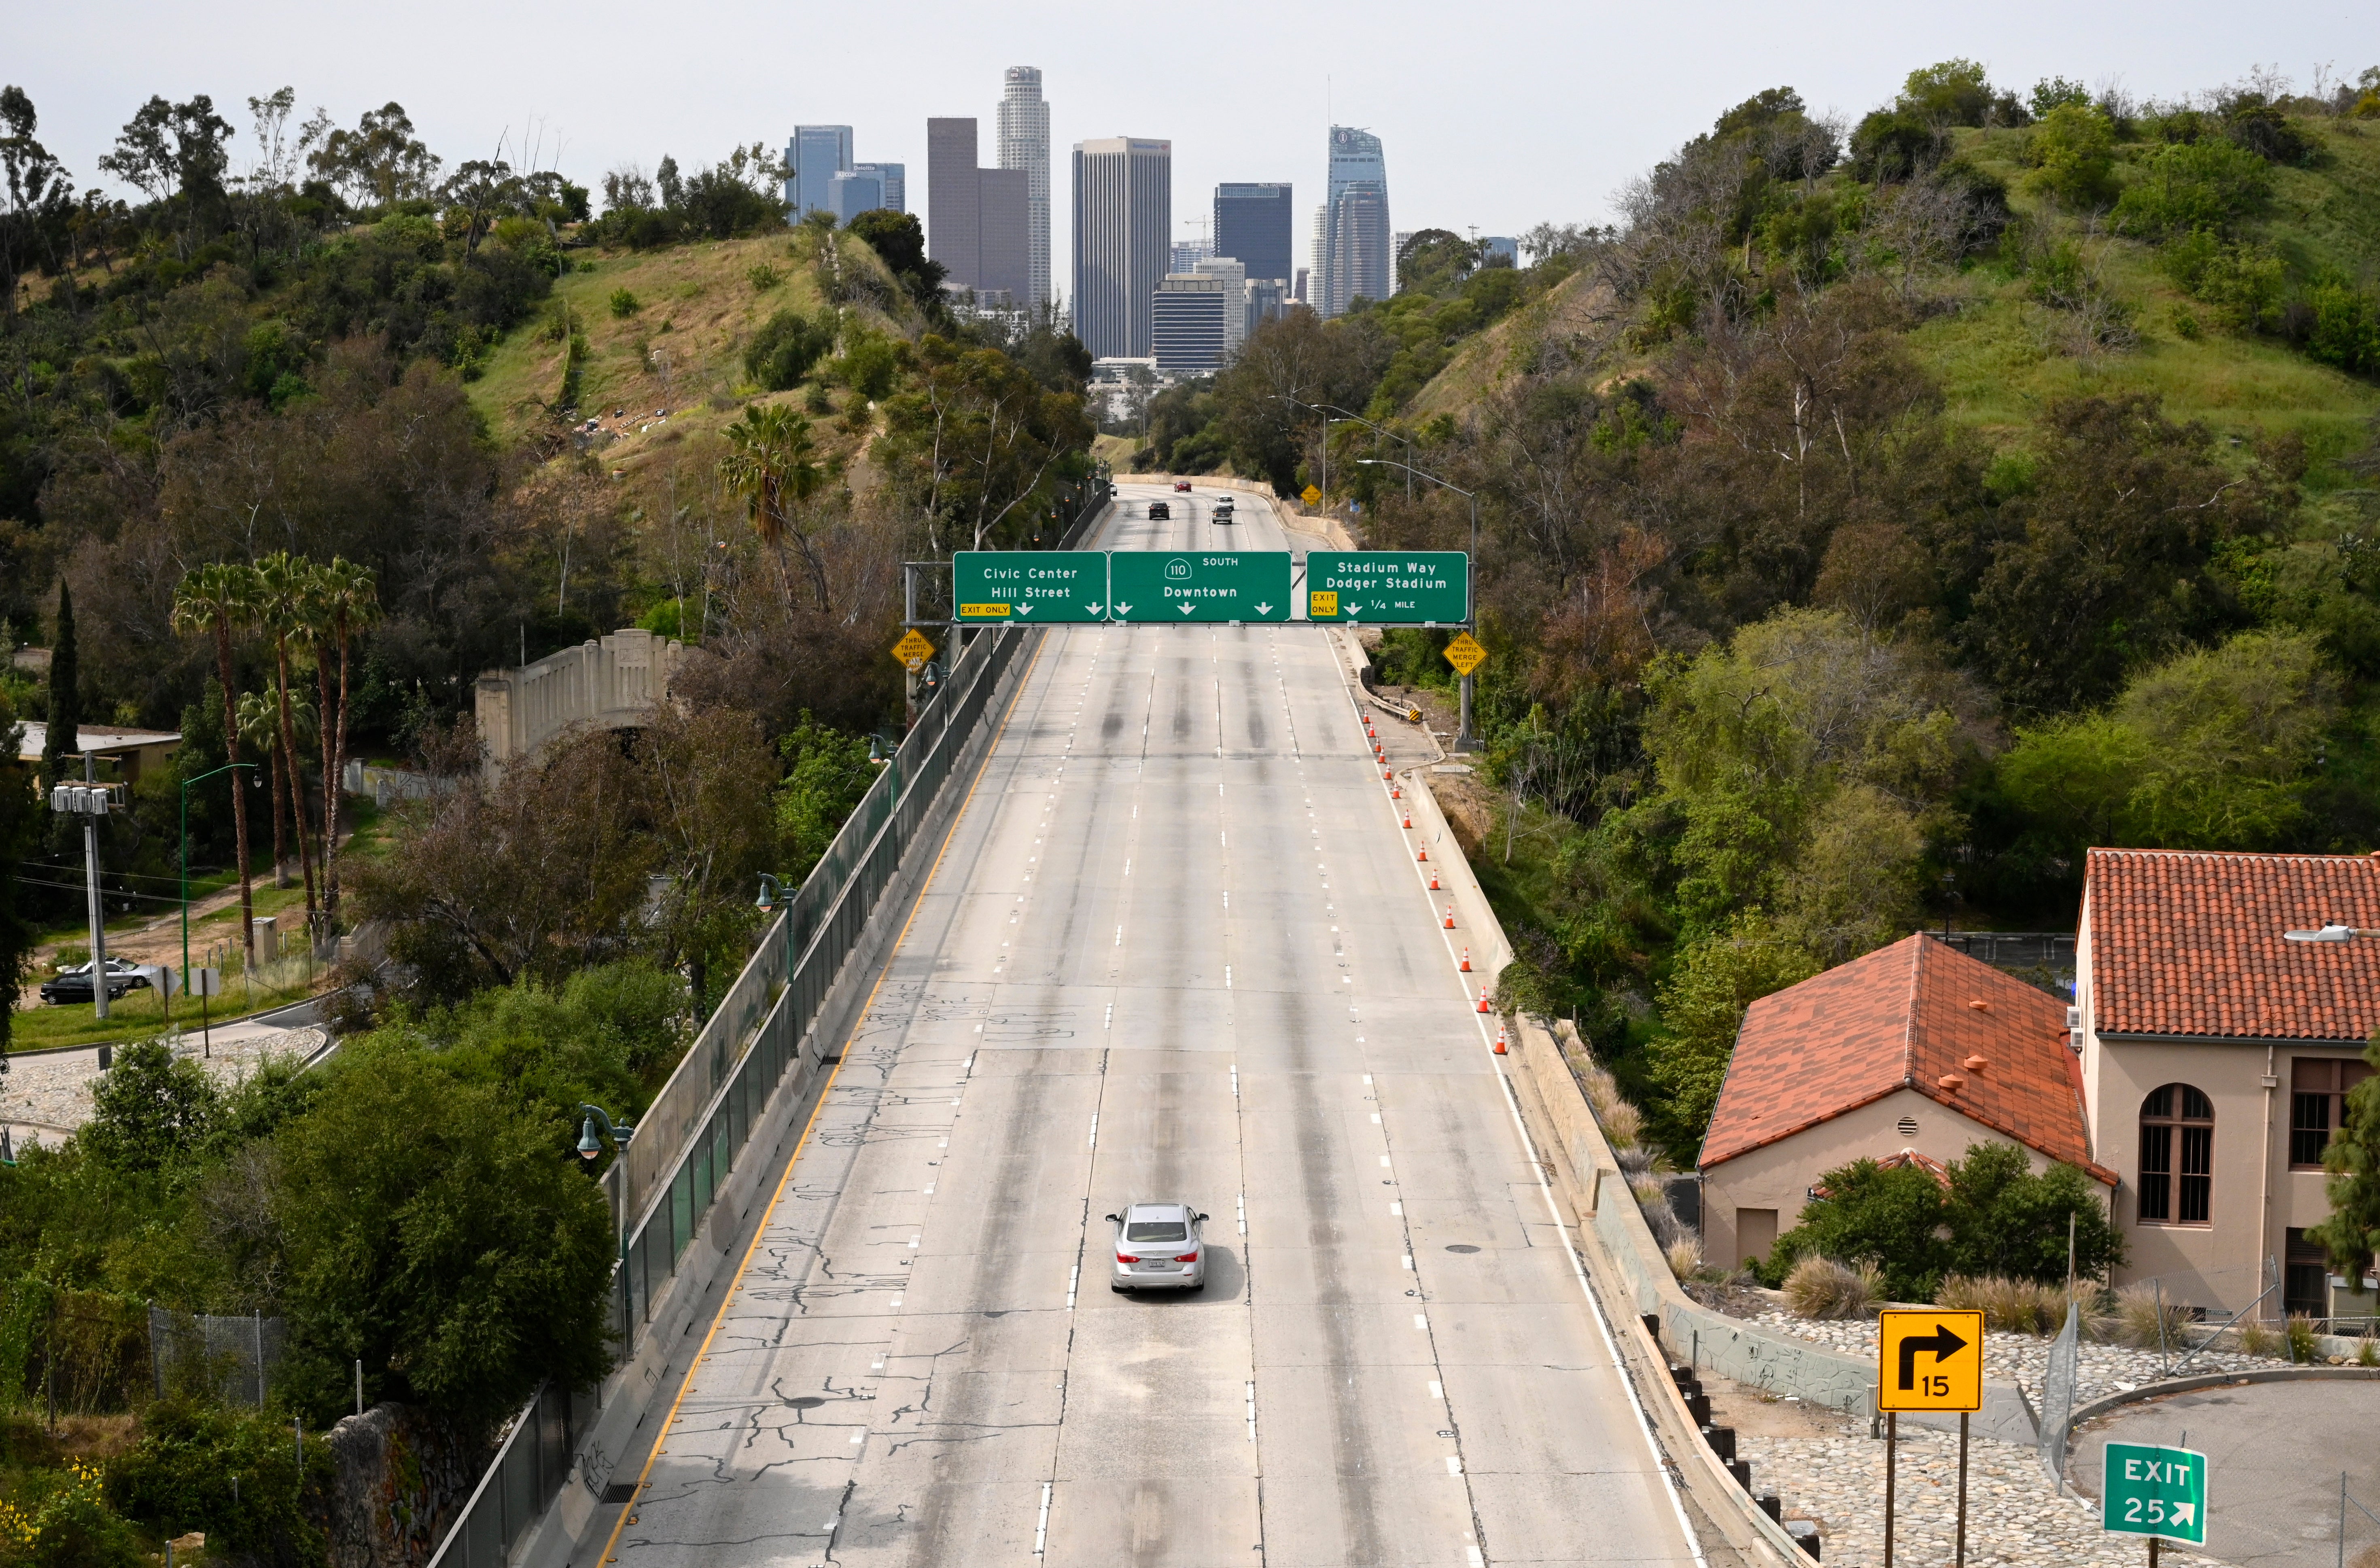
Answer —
(680, 348)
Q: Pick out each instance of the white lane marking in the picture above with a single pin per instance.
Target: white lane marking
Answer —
(1368, 1078)
(1436, 1390)
(1041, 1526)
(929, 1189)
(1094, 1127)
(1421, 1321)
(1074, 1278)
(1384, 1159)
(896, 1301)
(1453, 1464)
(859, 1438)
(1109, 1022)
(913, 1242)
(1227, 977)
(1240, 1202)
(1376, 1118)
(1128, 865)
(1397, 1211)
(1235, 1083)
(1408, 1259)
(1119, 940)
(1477, 1561)
(1252, 1412)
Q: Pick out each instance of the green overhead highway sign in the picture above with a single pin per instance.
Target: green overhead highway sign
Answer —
(1027, 587)
(2154, 1492)
(1174, 586)
(1419, 586)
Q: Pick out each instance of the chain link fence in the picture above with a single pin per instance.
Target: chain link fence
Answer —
(229, 1360)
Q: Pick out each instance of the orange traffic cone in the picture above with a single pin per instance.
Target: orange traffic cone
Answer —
(1433, 881)
(1483, 999)
(1408, 817)
(1499, 1041)
(1396, 792)
(1424, 856)
(1467, 960)
(1450, 917)
(1388, 772)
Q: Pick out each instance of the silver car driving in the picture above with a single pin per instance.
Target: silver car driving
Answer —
(1158, 1247)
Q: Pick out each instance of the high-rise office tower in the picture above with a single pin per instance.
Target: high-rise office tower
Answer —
(1123, 231)
(814, 155)
(1237, 321)
(891, 179)
(1190, 322)
(1024, 145)
(852, 194)
(1252, 226)
(1187, 254)
(977, 221)
(1354, 261)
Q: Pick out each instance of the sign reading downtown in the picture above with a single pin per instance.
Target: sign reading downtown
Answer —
(1198, 585)
(1388, 587)
(1028, 586)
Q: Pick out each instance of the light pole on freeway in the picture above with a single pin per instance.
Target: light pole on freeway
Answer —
(1464, 740)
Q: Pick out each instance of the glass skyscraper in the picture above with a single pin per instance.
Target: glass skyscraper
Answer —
(1252, 226)
(1024, 144)
(813, 158)
(1354, 261)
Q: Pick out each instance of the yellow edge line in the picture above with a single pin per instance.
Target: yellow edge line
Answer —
(661, 1435)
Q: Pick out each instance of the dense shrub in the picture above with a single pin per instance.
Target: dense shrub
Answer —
(786, 347)
(2192, 186)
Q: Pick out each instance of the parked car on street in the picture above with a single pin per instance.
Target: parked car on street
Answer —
(73, 983)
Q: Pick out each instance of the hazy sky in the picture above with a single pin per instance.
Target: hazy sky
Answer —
(1494, 116)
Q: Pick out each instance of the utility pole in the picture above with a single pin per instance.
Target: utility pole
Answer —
(89, 801)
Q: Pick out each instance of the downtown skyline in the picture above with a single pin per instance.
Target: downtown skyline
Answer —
(1608, 95)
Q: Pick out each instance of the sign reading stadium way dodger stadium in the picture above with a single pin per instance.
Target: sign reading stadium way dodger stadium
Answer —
(1174, 586)
(1026, 587)
(1388, 587)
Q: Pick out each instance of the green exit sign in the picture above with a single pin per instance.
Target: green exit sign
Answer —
(1388, 587)
(1028, 587)
(2154, 1492)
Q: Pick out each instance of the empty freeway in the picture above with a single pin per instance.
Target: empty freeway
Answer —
(1174, 947)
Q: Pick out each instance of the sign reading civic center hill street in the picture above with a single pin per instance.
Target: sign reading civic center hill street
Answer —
(2154, 1492)
(1929, 1360)
(1024, 586)
(1388, 587)
(1198, 585)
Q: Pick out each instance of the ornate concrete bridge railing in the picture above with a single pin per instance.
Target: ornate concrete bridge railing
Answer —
(613, 682)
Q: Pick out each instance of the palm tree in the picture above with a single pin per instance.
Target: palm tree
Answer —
(772, 463)
(208, 601)
(281, 583)
(343, 600)
(260, 725)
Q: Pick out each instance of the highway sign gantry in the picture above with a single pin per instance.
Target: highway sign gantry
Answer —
(913, 650)
(1929, 1360)
(1176, 586)
(2159, 1493)
(1430, 587)
(1027, 587)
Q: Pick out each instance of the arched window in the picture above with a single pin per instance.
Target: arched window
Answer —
(2177, 1156)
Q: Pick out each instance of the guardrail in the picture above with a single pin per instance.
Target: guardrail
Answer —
(664, 1185)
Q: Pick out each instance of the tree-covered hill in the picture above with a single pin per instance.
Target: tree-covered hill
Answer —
(1876, 516)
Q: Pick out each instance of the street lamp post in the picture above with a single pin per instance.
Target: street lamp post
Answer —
(1379, 429)
(203, 778)
(89, 801)
(1464, 740)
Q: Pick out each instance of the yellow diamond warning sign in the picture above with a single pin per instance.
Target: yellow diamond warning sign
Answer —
(1465, 654)
(1929, 1360)
(914, 649)
(1309, 495)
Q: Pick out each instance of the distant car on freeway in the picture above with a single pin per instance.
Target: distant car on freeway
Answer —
(1223, 510)
(1160, 511)
(1158, 1246)
(1182, 486)
(73, 983)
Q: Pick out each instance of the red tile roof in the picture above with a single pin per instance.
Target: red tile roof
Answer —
(2188, 943)
(1904, 1016)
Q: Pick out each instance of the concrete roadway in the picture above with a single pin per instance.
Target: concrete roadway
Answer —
(1175, 948)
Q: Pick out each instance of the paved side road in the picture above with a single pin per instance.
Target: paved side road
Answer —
(1175, 946)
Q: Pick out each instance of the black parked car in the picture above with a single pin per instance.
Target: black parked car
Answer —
(72, 983)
